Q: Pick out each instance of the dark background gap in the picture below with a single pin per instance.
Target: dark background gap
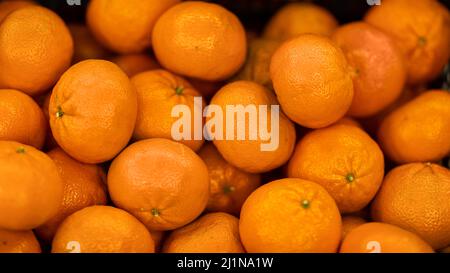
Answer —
(253, 13)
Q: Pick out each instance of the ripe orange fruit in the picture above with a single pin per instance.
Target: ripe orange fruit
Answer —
(161, 182)
(415, 197)
(200, 40)
(351, 222)
(158, 92)
(212, 233)
(85, 45)
(84, 186)
(93, 111)
(21, 119)
(6, 7)
(290, 215)
(133, 64)
(300, 18)
(418, 130)
(257, 65)
(311, 78)
(102, 229)
(18, 241)
(247, 154)
(35, 49)
(374, 58)
(344, 160)
(229, 186)
(31, 189)
(421, 30)
(125, 26)
(383, 238)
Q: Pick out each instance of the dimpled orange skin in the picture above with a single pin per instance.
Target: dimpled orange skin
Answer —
(31, 188)
(18, 242)
(290, 215)
(212, 233)
(33, 39)
(125, 26)
(418, 130)
(85, 45)
(257, 65)
(93, 110)
(351, 222)
(133, 64)
(295, 19)
(415, 197)
(21, 119)
(388, 239)
(158, 92)
(84, 186)
(311, 78)
(161, 182)
(103, 229)
(200, 40)
(421, 30)
(247, 154)
(378, 67)
(6, 7)
(229, 186)
(344, 160)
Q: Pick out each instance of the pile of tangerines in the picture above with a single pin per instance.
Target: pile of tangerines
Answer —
(88, 162)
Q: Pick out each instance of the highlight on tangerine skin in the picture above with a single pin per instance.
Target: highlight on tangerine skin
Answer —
(377, 64)
(93, 110)
(345, 160)
(421, 30)
(35, 49)
(290, 215)
(200, 40)
(311, 78)
(161, 182)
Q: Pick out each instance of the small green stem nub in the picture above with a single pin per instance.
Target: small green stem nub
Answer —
(179, 90)
(350, 177)
(305, 203)
(422, 40)
(20, 150)
(155, 212)
(59, 112)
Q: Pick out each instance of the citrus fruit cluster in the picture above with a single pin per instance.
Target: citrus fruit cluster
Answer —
(88, 161)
